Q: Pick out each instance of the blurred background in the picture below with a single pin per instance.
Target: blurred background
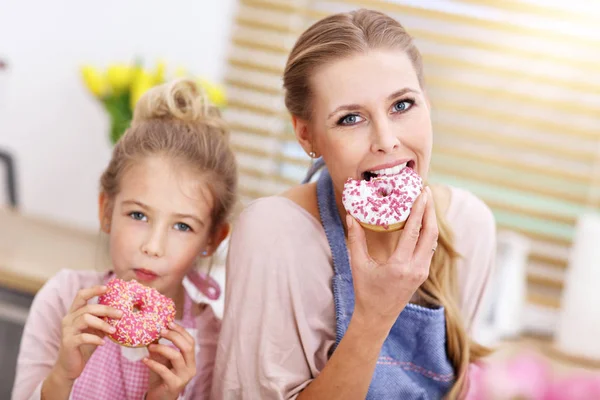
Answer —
(515, 90)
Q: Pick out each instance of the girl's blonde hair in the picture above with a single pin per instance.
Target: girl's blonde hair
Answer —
(343, 35)
(175, 120)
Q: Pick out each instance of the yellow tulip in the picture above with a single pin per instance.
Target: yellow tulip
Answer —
(96, 82)
(159, 74)
(142, 82)
(215, 93)
(119, 77)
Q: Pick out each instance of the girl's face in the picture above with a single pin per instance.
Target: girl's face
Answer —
(159, 224)
(369, 114)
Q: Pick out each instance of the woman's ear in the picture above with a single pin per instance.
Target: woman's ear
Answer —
(104, 212)
(304, 136)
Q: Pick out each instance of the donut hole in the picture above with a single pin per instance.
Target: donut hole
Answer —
(136, 308)
(383, 192)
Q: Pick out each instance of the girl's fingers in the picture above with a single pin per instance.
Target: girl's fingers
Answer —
(168, 377)
(86, 321)
(181, 330)
(99, 310)
(87, 338)
(183, 341)
(171, 354)
(84, 295)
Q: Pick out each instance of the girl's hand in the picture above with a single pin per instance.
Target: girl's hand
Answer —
(82, 331)
(171, 369)
(382, 290)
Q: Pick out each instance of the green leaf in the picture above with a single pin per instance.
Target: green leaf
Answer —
(120, 114)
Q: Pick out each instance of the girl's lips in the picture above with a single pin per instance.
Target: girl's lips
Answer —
(144, 275)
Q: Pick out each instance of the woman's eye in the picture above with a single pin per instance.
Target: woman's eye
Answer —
(350, 119)
(138, 216)
(180, 226)
(403, 105)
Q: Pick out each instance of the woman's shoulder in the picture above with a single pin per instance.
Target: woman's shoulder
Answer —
(466, 213)
(291, 210)
(280, 224)
(464, 205)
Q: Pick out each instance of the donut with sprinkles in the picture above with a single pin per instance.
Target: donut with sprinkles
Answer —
(382, 203)
(146, 312)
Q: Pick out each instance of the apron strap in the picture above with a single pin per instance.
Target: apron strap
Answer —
(332, 224)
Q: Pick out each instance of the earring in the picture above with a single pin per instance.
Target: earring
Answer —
(205, 253)
(312, 154)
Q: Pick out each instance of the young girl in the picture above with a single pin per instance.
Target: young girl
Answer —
(392, 321)
(165, 201)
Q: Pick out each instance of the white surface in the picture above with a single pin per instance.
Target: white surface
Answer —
(217, 273)
(506, 300)
(578, 328)
(57, 131)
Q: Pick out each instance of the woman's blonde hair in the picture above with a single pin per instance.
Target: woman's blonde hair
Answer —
(175, 120)
(346, 34)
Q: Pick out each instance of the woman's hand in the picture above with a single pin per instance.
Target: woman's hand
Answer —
(171, 369)
(82, 331)
(382, 290)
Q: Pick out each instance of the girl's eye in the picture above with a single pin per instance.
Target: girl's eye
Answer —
(403, 105)
(180, 226)
(138, 216)
(350, 119)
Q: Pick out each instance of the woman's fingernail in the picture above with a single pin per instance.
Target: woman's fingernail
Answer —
(171, 325)
(349, 221)
(112, 329)
(164, 332)
(103, 288)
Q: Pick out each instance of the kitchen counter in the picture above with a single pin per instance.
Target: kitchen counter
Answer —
(32, 250)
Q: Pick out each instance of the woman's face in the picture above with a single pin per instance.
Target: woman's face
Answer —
(369, 115)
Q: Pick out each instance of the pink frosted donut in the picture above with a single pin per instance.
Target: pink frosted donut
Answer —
(146, 312)
(382, 203)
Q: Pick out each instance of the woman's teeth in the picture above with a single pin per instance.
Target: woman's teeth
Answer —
(390, 171)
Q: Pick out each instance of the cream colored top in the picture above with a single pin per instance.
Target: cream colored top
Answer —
(279, 318)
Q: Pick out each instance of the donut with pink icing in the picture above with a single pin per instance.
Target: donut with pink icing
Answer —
(146, 312)
(382, 203)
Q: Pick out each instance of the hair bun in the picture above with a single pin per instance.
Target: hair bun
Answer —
(180, 99)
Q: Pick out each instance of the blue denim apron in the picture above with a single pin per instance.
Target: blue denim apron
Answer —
(413, 363)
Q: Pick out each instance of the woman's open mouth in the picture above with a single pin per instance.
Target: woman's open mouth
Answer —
(368, 175)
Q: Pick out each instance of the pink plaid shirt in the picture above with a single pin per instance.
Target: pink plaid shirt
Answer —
(113, 372)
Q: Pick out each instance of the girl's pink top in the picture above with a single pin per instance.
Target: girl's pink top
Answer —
(113, 371)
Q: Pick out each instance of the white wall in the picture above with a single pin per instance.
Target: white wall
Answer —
(56, 130)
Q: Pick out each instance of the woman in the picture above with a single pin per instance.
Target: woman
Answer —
(301, 320)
